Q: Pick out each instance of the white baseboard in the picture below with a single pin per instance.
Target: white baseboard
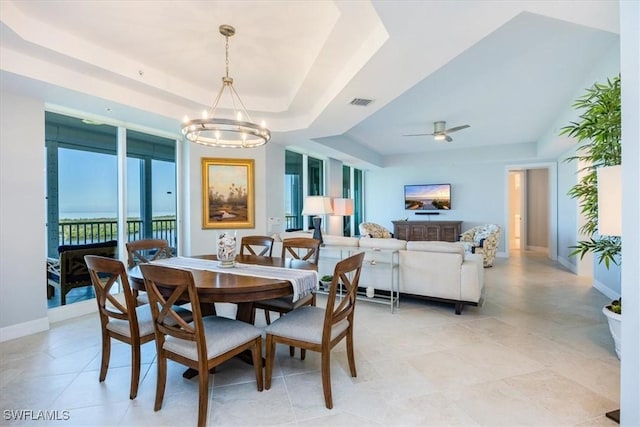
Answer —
(568, 265)
(56, 314)
(604, 289)
(23, 329)
(77, 309)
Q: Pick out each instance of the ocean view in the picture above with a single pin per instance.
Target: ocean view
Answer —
(109, 215)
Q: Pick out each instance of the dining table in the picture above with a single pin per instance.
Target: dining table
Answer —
(232, 285)
(229, 285)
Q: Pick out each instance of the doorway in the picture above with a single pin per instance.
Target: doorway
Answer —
(530, 209)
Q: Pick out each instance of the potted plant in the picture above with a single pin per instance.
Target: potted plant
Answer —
(598, 132)
(326, 282)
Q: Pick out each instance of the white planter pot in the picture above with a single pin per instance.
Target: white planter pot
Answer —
(615, 320)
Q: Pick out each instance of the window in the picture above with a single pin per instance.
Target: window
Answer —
(297, 179)
(352, 187)
(293, 191)
(82, 187)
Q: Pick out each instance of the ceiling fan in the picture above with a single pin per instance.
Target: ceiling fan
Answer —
(440, 131)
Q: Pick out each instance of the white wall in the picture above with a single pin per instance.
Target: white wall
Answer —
(568, 220)
(274, 191)
(476, 178)
(202, 241)
(23, 305)
(630, 70)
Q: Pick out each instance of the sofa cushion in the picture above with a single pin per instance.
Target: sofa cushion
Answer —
(381, 243)
(331, 240)
(436, 246)
(279, 237)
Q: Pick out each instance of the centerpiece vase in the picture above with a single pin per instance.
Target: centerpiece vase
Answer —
(226, 245)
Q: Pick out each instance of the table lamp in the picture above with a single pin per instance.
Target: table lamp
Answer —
(317, 205)
(341, 207)
(610, 201)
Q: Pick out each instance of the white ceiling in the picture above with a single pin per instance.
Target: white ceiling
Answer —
(505, 68)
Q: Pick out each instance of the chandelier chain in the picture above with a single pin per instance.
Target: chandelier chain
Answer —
(226, 49)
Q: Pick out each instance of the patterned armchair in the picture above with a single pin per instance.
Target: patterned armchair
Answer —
(371, 229)
(484, 240)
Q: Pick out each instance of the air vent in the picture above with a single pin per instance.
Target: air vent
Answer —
(361, 101)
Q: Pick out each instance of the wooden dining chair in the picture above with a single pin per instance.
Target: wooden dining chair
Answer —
(126, 322)
(201, 344)
(146, 250)
(317, 329)
(298, 248)
(143, 251)
(256, 245)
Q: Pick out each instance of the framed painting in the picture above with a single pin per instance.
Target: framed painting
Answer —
(227, 193)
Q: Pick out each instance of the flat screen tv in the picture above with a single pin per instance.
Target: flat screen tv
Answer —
(427, 197)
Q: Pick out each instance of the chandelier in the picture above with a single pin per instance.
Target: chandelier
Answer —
(237, 132)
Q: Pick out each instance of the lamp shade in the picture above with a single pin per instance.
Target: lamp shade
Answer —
(343, 206)
(610, 201)
(317, 205)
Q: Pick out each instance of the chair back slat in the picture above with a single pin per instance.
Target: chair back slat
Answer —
(165, 287)
(147, 250)
(347, 274)
(105, 273)
(301, 248)
(256, 245)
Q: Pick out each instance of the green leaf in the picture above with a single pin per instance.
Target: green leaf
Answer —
(598, 132)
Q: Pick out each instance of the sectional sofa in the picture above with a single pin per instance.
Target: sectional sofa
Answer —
(440, 271)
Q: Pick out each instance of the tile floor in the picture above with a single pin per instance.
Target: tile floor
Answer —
(537, 353)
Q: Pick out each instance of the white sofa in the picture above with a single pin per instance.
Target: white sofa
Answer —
(436, 270)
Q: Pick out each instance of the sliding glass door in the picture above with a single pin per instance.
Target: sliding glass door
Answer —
(82, 189)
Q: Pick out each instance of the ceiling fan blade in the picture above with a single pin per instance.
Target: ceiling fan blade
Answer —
(457, 128)
(419, 134)
(448, 138)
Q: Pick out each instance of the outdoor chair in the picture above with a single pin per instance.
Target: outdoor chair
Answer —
(70, 270)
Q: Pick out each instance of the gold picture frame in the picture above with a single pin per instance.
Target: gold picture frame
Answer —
(227, 193)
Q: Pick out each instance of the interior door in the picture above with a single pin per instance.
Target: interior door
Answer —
(517, 219)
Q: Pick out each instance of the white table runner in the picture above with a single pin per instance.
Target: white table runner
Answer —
(303, 282)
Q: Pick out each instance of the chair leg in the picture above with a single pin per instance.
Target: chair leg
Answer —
(256, 352)
(135, 370)
(160, 381)
(350, 354)
(292, 351)
(267, 317)
(203, 399)
(303, 353)
(270, 356)
(106, 354)
(326, 378)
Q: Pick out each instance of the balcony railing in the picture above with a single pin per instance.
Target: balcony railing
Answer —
(85, 231)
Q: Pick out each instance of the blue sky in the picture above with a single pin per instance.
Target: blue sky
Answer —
(88, 184)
